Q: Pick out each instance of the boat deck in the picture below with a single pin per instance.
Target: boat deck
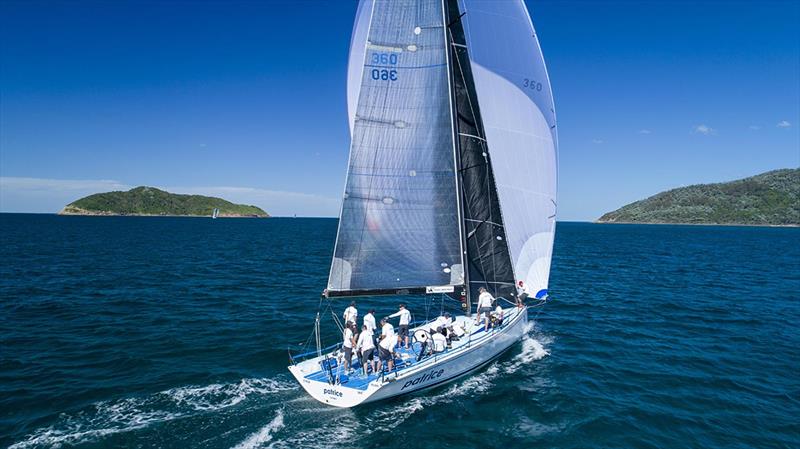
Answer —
(404, 360)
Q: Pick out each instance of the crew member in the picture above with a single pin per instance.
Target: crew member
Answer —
(366, 347)
(347, 345)
(369, 321)
(485, 300)
(350, 314)
(439, 342)
(386, 352)
(521, 294)
(405, 320)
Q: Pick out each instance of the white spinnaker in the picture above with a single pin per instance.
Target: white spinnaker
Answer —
(355, 66)
(516, 106)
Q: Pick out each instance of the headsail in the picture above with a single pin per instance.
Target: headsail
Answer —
(488, 259)
(399, 226)
(518, 115)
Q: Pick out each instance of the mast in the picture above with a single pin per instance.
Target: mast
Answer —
(464, 294)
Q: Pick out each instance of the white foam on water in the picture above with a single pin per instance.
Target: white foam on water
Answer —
(125, 415)
(264, 434)
(334, 432)
(532, 350)
(218, 396)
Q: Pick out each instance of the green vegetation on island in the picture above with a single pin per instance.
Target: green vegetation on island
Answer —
(771, 198)
(149, 201)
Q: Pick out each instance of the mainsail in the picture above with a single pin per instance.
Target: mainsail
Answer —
(399, 226)
(452, 172)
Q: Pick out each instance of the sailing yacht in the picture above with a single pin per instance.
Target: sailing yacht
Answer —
(451, 187)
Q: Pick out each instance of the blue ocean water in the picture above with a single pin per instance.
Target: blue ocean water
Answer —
(173, 332)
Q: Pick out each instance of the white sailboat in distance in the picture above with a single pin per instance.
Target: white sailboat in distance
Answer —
(451, 187)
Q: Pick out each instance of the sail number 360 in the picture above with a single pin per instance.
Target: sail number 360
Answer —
(532, 84)
(387, 74)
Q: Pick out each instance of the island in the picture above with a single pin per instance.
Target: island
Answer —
(149, 201)
(768, 199)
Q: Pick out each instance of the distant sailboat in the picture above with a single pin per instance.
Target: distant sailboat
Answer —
(451, 185)
(215, 213)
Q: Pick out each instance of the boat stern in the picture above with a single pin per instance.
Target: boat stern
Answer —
(331, 394)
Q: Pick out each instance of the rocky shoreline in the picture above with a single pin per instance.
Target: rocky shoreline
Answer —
(74, 211)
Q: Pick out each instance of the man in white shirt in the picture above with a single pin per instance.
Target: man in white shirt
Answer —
(443, 322)
(387, 330)
(439, 342)
(386, 345)
(405, 320)
(366, 347)
(347, 345)
(485, 300)
(350, 314)
(369, 321)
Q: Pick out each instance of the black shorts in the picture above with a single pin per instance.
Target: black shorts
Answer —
(348, 354)
(484, 311)
(384, 354)
(403, 331)
(366, 354)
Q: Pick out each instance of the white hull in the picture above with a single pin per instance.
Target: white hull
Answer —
(431, 372)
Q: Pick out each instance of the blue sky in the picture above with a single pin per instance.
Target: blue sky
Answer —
(247, 100)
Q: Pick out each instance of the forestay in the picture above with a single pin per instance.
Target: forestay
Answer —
(399, 224)
(517, 110)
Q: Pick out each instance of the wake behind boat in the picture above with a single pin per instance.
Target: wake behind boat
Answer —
(449, 198)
